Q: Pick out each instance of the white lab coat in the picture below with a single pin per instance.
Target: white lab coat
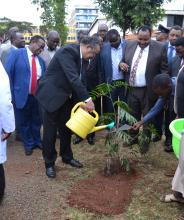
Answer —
(7, 119)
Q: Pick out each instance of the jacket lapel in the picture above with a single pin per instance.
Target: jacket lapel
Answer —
(26, 60)
(150, 53)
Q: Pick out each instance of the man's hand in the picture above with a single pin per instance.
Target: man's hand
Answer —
(124, 66)
(5, 135)
(137, 125)
(89, 106)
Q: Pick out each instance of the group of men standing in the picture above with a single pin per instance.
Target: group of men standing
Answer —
(46, 81)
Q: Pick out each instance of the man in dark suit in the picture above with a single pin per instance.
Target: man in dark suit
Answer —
(24, 68)
(174, 33)
(58, 90)
(143, 60)
(111, 54)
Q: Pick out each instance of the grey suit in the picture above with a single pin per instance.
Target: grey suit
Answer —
(141, 99)
(156, 63)
(174, 66)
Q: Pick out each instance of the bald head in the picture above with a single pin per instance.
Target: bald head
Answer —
(17, 39)
(102, 31)
(102, 27)
(12, 30)
(53, 40)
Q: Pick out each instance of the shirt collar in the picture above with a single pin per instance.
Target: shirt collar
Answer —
(169, 45)
(29, 52)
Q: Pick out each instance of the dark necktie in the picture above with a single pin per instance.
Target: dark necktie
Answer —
(84, 68)
(33, 76)
(134, 69)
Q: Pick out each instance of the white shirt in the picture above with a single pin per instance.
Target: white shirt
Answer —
(140, 79)
(7, 120)
(38, 67)
(116, 56)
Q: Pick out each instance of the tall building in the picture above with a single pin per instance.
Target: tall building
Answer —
(81, 19)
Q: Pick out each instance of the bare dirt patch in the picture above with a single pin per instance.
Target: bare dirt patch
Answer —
(104, 195)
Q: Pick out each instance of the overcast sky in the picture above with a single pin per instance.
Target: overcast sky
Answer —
(23, 10)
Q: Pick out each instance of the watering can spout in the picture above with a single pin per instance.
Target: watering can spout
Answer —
(98, 128)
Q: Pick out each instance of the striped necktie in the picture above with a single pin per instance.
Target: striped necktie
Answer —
(134, 69)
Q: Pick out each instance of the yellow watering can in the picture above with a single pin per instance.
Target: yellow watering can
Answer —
(82, 123)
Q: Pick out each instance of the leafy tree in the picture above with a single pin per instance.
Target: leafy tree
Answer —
(130, 14)
(7, 23)
(53, 16)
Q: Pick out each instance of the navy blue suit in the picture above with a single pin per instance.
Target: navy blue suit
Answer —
(26, 106)
(107, 74)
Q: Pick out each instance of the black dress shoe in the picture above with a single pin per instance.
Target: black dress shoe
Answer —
(168, 142)
(77, 140)
(156, 138)
(28, 152)
(50, 172)
(91, 140)
(73, 163)
(168, 149)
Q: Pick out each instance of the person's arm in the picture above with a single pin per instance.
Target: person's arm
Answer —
(9, 67)
(70, 70)
(180, 95)
(151, 114)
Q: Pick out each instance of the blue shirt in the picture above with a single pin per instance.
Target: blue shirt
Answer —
(116, 55)
(159, 105)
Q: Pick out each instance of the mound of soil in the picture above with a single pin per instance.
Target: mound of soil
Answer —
(104, 195)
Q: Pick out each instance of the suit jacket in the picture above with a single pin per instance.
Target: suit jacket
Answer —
(156, 63)
(18, 69)
(6, 53)
(7, 120)
(93, 73)
(174, 66)
(179, 97)
(62, 79)
(106, 61)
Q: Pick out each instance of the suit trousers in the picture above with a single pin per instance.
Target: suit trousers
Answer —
(139, 104)
(2, 181)
(51, 122)
(29, 121)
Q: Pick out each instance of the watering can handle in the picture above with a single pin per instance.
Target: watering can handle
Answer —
(83, 103)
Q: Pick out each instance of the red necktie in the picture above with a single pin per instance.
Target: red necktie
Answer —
(33, 76)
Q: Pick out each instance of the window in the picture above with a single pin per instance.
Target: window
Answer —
(175, 20)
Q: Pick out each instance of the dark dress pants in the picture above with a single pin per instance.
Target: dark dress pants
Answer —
(139, 104)
(169, 117)
(2, 181)
(51, 122)
(158, 123)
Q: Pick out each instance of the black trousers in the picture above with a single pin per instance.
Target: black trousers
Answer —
(51, 123)
(139, 104)
(165, 117)
(2, 181)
